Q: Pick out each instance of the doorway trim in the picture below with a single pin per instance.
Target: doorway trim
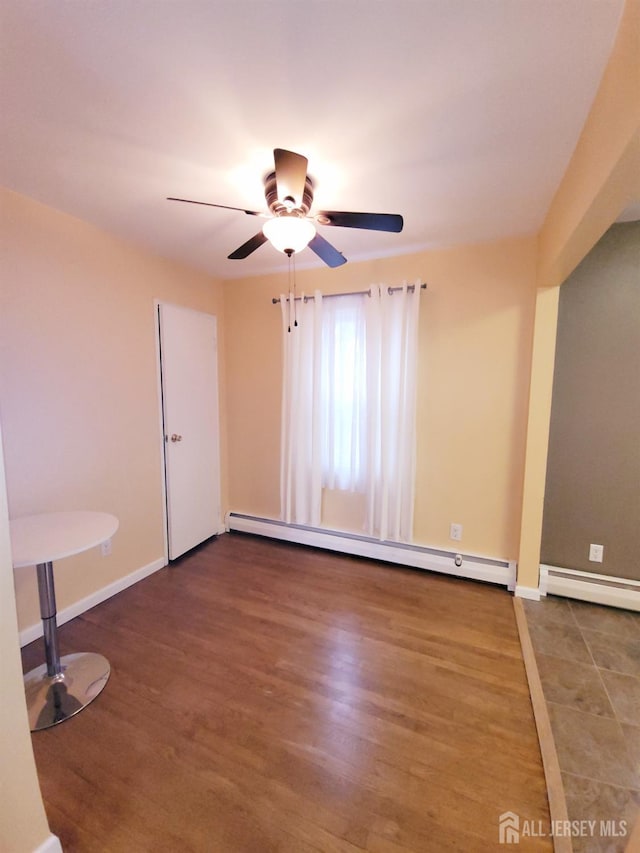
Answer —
(163, 472)
(220, 525)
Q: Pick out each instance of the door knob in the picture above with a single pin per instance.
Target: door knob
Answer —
(176, 437)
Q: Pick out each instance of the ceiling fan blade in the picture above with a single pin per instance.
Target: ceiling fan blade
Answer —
(224, 206)
(371, 221)
(328, 253)
(291, 174)
(247, 248)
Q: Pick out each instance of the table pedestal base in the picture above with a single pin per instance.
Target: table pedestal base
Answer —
(52, 699)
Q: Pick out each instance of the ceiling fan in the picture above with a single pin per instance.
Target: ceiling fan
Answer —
(289, 228)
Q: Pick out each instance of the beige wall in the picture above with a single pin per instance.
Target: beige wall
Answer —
(593, 472)
(602, 178)
(23, 823)
(475, 335)
(78, 385)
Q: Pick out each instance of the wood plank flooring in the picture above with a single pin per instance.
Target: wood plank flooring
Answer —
(269, 697)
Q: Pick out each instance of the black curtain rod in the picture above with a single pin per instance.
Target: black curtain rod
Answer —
(276, 299)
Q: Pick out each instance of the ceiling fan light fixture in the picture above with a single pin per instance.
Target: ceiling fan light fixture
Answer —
(289, 233)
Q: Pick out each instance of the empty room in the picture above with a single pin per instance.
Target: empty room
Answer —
(319, 417)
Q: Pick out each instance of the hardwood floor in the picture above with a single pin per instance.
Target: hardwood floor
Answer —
(268, 697)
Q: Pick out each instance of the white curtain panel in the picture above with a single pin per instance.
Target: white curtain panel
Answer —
(300, 452)
(392, 352)
(349, 406)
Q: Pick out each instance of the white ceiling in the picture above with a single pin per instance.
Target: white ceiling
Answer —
(459, 114)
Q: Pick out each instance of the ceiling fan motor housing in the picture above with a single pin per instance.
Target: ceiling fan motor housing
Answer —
(278, 206)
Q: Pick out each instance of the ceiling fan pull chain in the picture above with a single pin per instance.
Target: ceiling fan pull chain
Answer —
(295, 307)
(289, 291)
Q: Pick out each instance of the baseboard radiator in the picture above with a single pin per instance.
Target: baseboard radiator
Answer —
(461, 565)
(599, 589)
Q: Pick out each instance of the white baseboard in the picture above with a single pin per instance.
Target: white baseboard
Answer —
(472, 566)
(33, 632)
(587, 586)
(51, 845)
(530, 592)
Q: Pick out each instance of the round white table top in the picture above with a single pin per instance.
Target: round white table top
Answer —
(53, 535)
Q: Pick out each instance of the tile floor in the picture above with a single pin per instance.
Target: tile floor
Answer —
(588, 658)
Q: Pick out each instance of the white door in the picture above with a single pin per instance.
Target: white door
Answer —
(189, 377)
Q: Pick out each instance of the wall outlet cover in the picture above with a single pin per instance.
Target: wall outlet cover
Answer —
(596, 553)
(455, 532)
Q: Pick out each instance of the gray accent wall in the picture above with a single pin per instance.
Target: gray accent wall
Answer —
(593, 471)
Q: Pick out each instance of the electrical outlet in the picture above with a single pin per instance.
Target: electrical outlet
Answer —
(455, 532)
(106, 548)
(596, 553)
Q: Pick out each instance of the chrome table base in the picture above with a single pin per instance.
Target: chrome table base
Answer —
(62, 686)
(54, 698)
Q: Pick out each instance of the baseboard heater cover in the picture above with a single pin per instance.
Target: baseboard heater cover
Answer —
(460, 565)
(587, 586)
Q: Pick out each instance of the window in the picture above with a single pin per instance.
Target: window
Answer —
(343, 393)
